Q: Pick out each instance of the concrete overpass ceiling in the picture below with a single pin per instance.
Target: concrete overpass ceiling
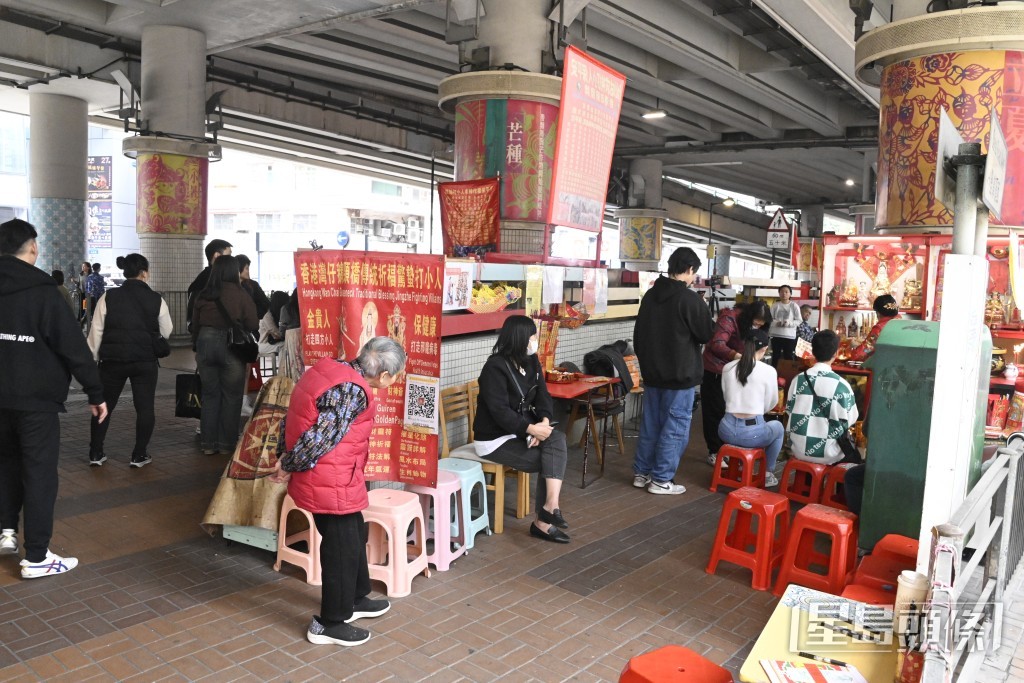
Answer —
(749, 81)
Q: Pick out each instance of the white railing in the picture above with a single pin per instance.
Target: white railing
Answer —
(965, 610)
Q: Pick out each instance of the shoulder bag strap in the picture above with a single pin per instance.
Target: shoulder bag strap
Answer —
(224, 312)
(511, 374)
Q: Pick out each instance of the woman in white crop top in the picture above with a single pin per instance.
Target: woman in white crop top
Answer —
(751, 389)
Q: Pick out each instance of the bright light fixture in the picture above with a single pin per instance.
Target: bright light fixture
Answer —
(728, 202)
(656, 113)
(849, 182)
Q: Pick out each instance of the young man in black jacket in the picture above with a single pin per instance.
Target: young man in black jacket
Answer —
(214, 249)
(42, 346)
(672, 324)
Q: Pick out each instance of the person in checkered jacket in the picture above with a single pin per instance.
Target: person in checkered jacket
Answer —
(821, 406)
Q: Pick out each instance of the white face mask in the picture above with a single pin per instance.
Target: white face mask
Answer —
(532, 347)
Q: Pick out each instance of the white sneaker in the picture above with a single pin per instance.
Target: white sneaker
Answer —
(8, 542)
(641, 480)
(713, 458)
(669, 488)
(51, 566)
(770, 481)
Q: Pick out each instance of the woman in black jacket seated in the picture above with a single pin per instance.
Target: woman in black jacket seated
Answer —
(513, 422)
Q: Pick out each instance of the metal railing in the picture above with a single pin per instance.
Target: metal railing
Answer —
(176, 305)
(966, 602)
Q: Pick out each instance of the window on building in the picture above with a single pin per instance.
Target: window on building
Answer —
(389, 189)
(223, 222)
(304, 222)
(268, 222)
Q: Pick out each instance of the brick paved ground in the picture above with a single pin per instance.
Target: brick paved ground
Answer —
(155, 598)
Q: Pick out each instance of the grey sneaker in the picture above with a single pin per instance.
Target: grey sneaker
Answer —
(770, 480)
(641, 481)
(8, 542)
(140, 460)
(713, 458)
(346, 635)
(669, 488)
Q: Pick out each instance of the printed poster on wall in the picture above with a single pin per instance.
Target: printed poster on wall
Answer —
(587, 125)
(534, 288)
(346, 299)
(99, 204)
(458, 284)
(470, 220)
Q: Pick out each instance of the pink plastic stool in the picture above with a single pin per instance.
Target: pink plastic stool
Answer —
(448, 485)
(310, 561)
(390, 514)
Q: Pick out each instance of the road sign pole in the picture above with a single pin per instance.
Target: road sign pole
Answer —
(965, 211)
(773, 263)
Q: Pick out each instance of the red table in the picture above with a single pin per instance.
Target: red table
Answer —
(587, 386)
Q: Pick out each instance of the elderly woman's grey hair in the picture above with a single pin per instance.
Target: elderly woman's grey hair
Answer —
(380, 355)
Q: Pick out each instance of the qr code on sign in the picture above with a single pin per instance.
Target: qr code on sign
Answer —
(421, 402)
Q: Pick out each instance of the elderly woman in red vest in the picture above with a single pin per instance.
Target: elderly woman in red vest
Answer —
(327, 439)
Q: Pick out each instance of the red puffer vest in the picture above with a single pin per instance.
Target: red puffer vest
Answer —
(336, 485)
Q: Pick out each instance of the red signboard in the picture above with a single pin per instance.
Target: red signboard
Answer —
(587, 124)
(469, 216)
(346, 299)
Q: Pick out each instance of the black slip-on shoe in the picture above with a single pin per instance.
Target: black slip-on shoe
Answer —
(554, 534)
(554, 517)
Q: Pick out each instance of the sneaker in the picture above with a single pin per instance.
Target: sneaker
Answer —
(641, 481)
(97, 459)
(209, 451)
(140, 460)
(342, 634)
(51, 566)
(368, 608)
(713, 458)
(669, 488)
(770, 480)
(8, 542)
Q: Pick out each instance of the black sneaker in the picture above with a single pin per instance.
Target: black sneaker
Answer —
(97, 459)
(342, 634)
(140, 460)
(368, 608)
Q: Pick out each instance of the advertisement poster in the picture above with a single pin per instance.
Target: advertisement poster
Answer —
(458, 285)
(640, 238)
(470, 219)
(171, 194)
(534, 288)
(99, 205)
(349, 297)
(587, 125)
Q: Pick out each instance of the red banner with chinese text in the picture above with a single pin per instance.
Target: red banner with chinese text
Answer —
(346, 299)
(470, 218)
(587, 125)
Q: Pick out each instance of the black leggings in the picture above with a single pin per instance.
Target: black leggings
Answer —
(712, 409)
(143, 376)
(783, 349)
(344, 573)
(549, 458)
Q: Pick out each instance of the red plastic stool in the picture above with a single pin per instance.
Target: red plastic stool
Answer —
(841, 528)
(758, 550)
(872, 596)
(881, 571)
(747, 467)
(801, 481)
(833, 486)
(894, 545)
(673, 664)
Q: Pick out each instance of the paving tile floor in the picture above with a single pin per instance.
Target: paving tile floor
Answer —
(156, 598)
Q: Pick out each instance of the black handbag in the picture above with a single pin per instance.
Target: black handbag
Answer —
(241, 342)
(188, 391)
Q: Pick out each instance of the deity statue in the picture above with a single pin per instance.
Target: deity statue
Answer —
(881, 285)
(911, 295)
(850, 294)
(853, 331)
(841, 327)
(994, 310)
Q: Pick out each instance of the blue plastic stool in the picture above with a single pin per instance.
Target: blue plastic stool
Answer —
(471, 475)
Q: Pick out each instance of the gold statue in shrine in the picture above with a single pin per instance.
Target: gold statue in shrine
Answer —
(850, 294)
(995, 310)
(911, 296)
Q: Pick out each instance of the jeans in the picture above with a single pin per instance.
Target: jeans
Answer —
(344, 573)
(29, 449)
(223, 376)
(114, 374)
(853, 485)
(767, 435)
(549, 458)
(712, 408)
(664, 432)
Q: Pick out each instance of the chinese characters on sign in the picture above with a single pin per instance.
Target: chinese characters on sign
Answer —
(469, 216)
(346, 299)
(99, 204)
(588, 121)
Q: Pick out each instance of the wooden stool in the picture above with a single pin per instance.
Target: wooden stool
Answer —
(833, 490)
(747, 467)
(673, 664)
(801, 481)
(758, 550)
(841, 527)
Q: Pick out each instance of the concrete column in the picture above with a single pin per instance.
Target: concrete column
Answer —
(723, 254)
(516, 31)
(58, 149)
(173, 162)
(648, 173)
(640, 225)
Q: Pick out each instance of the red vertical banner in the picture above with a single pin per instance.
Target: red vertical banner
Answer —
(587, 124)
(470, 219)
(346, 299)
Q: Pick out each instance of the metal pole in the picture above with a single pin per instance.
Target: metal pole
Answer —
(981, 232)
(433, 189)
(965, 211)
(773, 263)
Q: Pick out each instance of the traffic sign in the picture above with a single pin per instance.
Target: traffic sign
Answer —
(779, 231)
(949, 146)
(995, 169)
(343, 238)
